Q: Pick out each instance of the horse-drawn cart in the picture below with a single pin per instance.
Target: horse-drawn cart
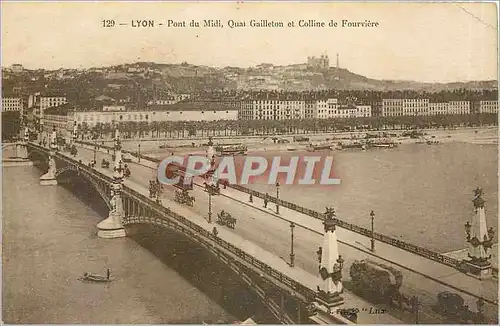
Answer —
(183, 197)
(226, 219)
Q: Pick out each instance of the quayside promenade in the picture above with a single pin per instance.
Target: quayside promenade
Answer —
(268, 231)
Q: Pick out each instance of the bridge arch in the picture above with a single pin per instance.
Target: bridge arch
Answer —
(100, 188)
(4, 146)
(36, 152)
(252, 277)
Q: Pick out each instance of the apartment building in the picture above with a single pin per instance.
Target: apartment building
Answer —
(47, 101)
(363, 111)
(297, 108)
(12, 104)
(405, 107)
(438, 108)
(459, 107)
(487, 107)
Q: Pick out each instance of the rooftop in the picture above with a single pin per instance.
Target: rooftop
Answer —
(62, 109)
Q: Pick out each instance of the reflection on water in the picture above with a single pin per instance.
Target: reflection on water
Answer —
(49, 240)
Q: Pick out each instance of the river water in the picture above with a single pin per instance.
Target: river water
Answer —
(421, 194)
(49, 240)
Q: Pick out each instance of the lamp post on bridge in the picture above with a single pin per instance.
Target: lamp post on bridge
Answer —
(372, 242)
(95, 149)
(277, 197)
(330, 290)
(292, 255)
(331, 264)
(75, 133)
(42, 131)
(211, 189)
(139, 151)
(480, 239)
(112, 226)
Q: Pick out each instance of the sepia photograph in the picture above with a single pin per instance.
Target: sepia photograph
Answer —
(176, 162)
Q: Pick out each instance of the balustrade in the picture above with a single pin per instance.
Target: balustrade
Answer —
(357, 229)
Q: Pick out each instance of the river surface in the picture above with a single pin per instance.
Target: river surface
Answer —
(422, 194)
(49, 240)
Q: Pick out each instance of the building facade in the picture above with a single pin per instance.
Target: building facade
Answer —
(392, 107)
(405, 107)
(488, 107)
(12, 104)
(59, 117)
(299, 108)
(459, 107)
(45, 102)
(363, 111)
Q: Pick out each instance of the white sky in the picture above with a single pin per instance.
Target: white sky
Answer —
(415, 41)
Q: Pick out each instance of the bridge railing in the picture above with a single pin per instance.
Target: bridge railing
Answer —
(275, 274)
(418, 250)
(82, 142)
(421, 251)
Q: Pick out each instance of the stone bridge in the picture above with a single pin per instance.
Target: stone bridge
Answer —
(287, 299)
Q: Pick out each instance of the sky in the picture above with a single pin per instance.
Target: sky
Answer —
(427, 42)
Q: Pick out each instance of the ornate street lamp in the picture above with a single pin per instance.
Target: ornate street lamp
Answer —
(95, 148)
(372, 215)
(292, 255)
(211, 192)
(319, 253)
(487, 241)
(277, 197)
(468, 226)
(336, 274)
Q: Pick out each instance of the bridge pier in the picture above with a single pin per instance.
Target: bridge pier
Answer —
(20, 155)
(112, 227)
(49, 178)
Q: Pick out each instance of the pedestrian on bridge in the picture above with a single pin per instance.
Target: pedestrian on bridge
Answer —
(251, 198)
(151, 189)
(266, 200)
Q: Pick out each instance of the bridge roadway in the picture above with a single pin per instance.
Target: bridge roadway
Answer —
(260, 228)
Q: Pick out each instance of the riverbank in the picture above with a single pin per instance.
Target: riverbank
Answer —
(479, 136)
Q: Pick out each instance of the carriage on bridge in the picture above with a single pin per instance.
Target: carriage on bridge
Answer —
(226, 219)
(212, 188)
(183, 197)
(104, 164)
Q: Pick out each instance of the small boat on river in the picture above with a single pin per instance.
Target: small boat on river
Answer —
(95, 278)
